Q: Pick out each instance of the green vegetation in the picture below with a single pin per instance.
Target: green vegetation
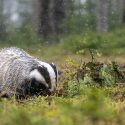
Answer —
(80, 99)
(111, 43)
(92, 105)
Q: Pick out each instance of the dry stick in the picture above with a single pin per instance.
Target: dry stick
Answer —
(92, 55)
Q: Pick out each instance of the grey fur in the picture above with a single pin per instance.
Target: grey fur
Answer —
(15, 67)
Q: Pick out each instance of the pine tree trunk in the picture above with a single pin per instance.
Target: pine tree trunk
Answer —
(48, 16)
(123, 16)
(121, 10)
(2, 25)
(102, 15)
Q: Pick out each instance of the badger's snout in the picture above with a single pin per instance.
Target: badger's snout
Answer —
(38, 88)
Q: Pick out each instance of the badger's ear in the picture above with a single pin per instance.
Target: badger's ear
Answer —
(53, 66)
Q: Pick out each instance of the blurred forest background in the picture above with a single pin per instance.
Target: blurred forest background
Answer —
(69, 33)
(73, 25)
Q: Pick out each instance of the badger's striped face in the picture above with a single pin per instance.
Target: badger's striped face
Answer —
(45, 74)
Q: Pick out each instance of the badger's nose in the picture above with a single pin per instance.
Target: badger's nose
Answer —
(52, 91)
(48, 92)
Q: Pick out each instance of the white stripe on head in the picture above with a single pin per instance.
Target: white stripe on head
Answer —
(52, 74)
(55, 70)
(38, 77)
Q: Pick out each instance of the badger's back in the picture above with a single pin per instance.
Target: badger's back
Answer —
(13, 51)
(8, 55)
(15, 65)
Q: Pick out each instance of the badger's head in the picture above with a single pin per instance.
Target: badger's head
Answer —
(44, 78)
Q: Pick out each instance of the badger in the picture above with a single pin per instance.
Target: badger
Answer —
(22, 75)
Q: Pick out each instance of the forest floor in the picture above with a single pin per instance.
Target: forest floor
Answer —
(77, 103)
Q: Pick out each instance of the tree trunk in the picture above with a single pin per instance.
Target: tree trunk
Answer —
(102, 15)
(123, 16)
(59, 14)
(40, 17)
(121, 10)
(2, 25)
(118, 8)
(48, 16)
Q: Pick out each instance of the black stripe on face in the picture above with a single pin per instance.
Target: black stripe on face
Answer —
(44, 72)
(55, 70)
(36, 88)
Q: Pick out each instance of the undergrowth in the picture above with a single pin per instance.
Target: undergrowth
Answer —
(90, 93)
(82, 99)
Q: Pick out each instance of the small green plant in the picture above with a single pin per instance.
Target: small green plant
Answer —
(88, 79)
(71, 89)
(106, 75)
